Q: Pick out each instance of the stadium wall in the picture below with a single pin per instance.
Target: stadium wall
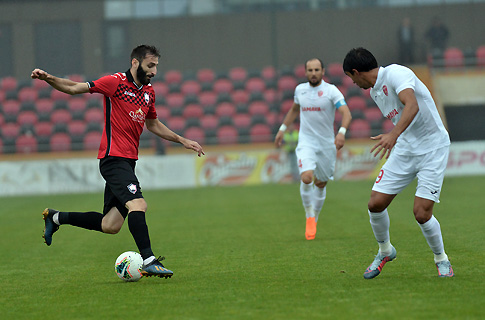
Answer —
(251, 40)
(355, 162)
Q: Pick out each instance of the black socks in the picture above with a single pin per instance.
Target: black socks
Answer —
(139, 230)
(88, 220)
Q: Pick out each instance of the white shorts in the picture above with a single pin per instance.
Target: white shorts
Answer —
(398, 172)
(320, 161)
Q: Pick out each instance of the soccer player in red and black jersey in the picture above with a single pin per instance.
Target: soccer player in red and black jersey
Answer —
(129, 104)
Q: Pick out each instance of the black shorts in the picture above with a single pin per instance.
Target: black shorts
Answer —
(121, 183)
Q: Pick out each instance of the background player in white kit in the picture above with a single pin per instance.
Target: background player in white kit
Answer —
(421, 147)
(316, 102)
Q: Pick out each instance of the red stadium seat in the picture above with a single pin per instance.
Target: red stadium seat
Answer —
(61, 116)
(196, 134)
(223, 85)
(193, 111)
(206, 75)
(209, 121)
(27, 117)
(77, 104)
(387, 126)
(11, 108)
(160, 88)
(300, 71)
(27, 94)
(480, 55)
(360, 128)
(225, 109)
(173, 76)
(60, 142)
(255, 84)
(270, 95)
(260, 133)
(207, 98)
(175, 100)
(286, 105)
(242, 120)
(190, 87)
(26, 144)
(10, 130)
(227, 135)
(334, 70)
(92, 140)
(454, 58)
(373, 114)
(9, 83)
(347, 82)
(357, 103)
(57, 95)
(240, 96)
(43, 129)
(268, 73)
(238, 74)
(176, 124)
(258, 107)
(44, 105)
(94, 115)
(163, 112)
(76, 128)
(287, 83)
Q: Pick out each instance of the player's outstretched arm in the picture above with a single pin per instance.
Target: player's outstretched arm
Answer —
(161, 130)
(61, 84)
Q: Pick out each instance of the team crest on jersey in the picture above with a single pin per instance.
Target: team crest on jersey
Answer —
(132, 188)
(147, 98)
(384, 89)
(320, 93)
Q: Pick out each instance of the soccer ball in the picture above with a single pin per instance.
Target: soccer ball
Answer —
(128, 266)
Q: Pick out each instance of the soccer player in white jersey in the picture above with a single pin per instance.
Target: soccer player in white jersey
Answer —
(316, 101)
(420, 147)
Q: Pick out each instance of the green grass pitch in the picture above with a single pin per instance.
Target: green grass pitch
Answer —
(240, 253)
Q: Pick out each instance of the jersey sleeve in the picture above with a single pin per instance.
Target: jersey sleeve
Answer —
(403, 78)
(152, 111)
(337, 97)
(296, 99)
(106, 85)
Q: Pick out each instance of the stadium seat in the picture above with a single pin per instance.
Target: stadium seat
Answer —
(238, 74)
(11, 109)
(173, 76)
(360, 128)
(43, 129)
(287, 83)
(10, 130)
(92, 140)
(387, 126)
(190, 87)
(176, 124)
(373, 114)
(76, 77)
(2, 96)
(286, 105)
(270, 95)
(338, 117)
(352, 91)
(94, 115)
(196, 134)
(268, 73)
(357, 103)
(77, 104)
(224, 97)
(60, 142)
(61, 116)
(40, 85)
(163, 113)
(453, 58)
(255, 84)
(225, 109)
(480, 56)
(175, 100)
(209, 122)
(300, 71)
(76, 128)
(26, 144)
(240, 97)
(223, 85)
(260, 133)
(2, 119)
(347, 82)
(193, 111)
(242, 120)
(227, 135)
(207, 98)
(161, 89)
(9, 83)
(334, 70)
(206, 75)
(27, 117)
(258, 107)
(57, 95)
(27, 94)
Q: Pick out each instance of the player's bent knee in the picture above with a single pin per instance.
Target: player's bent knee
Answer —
(111, 229)
(307, 178)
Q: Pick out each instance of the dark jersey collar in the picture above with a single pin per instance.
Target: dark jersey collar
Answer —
(130, 78)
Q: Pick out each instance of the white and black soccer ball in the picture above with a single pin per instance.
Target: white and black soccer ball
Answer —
(128, 266)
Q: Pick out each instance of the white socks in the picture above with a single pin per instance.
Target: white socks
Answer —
(319, 195)
(432, 232)
(148, 260)
(306, 198)
(55, 218)
(380, 223)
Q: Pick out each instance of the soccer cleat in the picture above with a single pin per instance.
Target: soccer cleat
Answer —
(376, 266)
(50, 226)
(156, 268)
(311, 228)
(444, 269)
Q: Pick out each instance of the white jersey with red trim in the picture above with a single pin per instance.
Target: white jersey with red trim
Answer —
(426, 132)
(317, 114)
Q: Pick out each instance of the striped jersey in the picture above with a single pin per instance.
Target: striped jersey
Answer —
(126, 106)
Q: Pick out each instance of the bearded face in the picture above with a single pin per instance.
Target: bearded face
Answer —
(142, 75)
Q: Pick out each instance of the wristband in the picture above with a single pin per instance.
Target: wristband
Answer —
(283, 127)
(342, 130)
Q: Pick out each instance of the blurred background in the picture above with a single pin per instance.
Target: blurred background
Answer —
(229, 67)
